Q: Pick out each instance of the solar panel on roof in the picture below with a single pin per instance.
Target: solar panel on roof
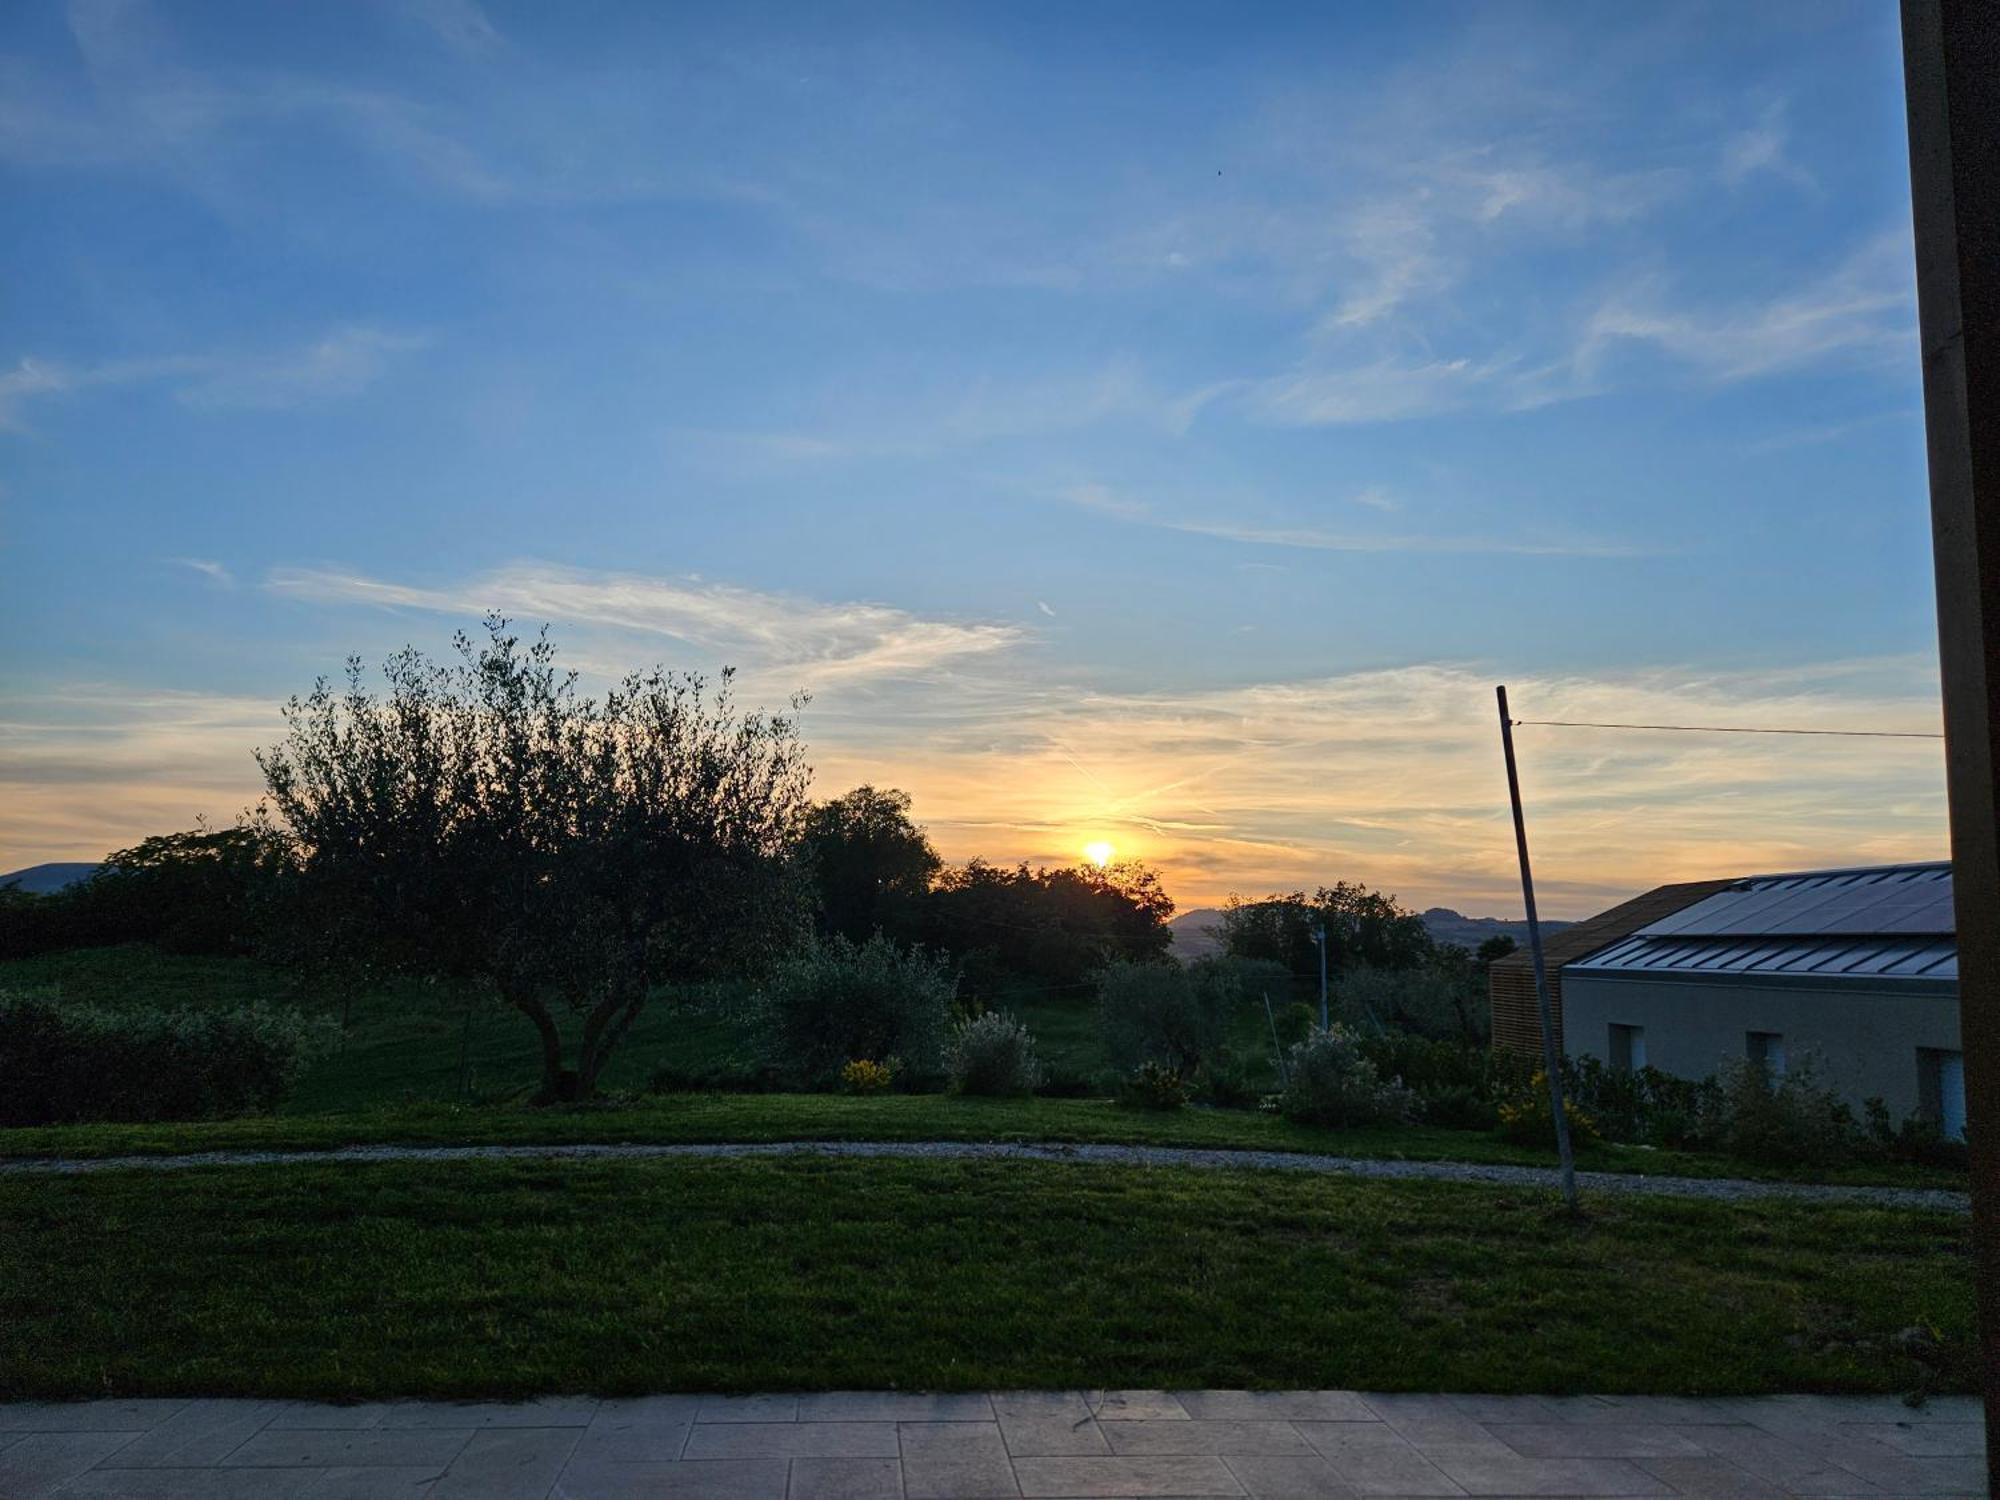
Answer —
(1904, 899)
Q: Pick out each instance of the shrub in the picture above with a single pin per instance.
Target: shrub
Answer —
(840, 1000)
(62, 1064)
(1458, 1107)
(993, 1055)
(1153, 1087)
(1295, 1023)
(1916, 1140)
(1330, 1082)
(1174, 1015)
(1528, 1119)
(1791, 1119)
(1228, 1084)
(864, 1077)
(1060, 1081)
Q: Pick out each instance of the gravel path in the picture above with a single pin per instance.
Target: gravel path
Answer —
(1127, 1156)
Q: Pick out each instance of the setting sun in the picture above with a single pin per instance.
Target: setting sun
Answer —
(1098, 853)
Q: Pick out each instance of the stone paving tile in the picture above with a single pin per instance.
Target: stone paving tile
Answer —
(1923, 1439)
(1552, 1477)
(645, 1429)
(1711, 1479)
(189, 1484)
(1305, 1406)
(894, 1406)
(950, 1440)
(1595, 1440)
(1198, 1435)
(945, 1477)
(846, 1479)
(1505, 1408)
(726, 1479)
(1778, 1460)
(793, 1440)
(318, 1416)
(271, 1449)
(1376, 1461)
(509, 1463)
(1139, 1406)
(38, 1463)
(1900, 1474)
(1290, 1478)
(955, 1461)
(1668, 1411)
(1089, 1478)
(543, 1411)
(1043, 1403)
(1056, 1435)
(372, 1484)
(86, 1416)
(749, 1409)
(199, 1434)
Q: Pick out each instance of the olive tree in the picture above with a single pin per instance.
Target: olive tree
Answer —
(486, 821)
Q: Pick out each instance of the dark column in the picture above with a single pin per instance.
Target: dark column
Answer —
(1951, 71)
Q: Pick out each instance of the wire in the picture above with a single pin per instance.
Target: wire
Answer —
(1859, 734)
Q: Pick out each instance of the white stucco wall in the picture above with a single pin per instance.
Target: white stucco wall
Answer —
(1867, 1039)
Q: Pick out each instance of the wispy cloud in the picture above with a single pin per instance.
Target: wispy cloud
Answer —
(773, 634)
(340, 364)
(1861, 311)
(214, 572)
(1762, 148)
(1106, 501)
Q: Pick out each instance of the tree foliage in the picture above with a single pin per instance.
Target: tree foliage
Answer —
(1050, 928)
(484, 820)
(871, 865)
(197, 892)
(1362, 927)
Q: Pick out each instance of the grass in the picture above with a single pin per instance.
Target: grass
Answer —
(498, 1279)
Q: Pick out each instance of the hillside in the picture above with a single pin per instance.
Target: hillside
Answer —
(39, 880)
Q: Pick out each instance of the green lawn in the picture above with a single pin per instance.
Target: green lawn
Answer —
(494, 1279)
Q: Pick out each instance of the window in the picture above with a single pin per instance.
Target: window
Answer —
(1941, 1090)
(1766, 1047)
(1627, 1049)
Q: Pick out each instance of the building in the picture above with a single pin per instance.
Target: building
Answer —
(1859, 967)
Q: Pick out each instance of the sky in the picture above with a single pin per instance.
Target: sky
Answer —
(1157, 425)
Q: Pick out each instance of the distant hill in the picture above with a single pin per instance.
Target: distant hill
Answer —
(39, 880)
(1198, 931)
(1448, 926)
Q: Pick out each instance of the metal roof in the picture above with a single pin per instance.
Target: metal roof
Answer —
(1892, 922)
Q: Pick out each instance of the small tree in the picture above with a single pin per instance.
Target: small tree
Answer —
(485, 821)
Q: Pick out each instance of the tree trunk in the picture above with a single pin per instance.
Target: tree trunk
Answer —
(558, 1083)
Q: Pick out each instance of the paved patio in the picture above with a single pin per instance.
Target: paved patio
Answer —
(1310, 1445)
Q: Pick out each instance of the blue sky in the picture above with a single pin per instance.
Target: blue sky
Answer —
(1151, 423)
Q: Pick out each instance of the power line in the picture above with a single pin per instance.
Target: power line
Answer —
(1858, 734)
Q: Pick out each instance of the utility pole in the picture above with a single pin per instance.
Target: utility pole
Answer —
(1551, 1054)
(1319, 939)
